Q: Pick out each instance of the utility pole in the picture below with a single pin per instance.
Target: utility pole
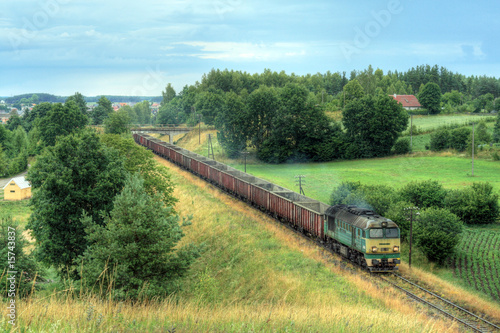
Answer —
(411, 131)
(472, 149)
(299, 182)
(245, 153)
(210, 147)
(412, 216)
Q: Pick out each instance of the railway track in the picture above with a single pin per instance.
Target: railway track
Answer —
(449, 309)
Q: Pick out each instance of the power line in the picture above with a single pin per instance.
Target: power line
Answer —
(300, 181)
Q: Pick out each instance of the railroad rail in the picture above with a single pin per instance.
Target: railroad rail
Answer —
(446, 307)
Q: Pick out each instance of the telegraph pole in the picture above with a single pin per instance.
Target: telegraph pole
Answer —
(299, 181)
(411, 131)
(210, 147)
(412, 216)
(245, 153)
(472, 149)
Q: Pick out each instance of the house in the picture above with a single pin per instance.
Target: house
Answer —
(17, 188)
(409, 102)
(4, 118)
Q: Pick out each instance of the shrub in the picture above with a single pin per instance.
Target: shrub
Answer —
(437, 232)
(476, 204)
(424, 194)
(459, 138)
(402, 146)
(397, 214)
(440, 139)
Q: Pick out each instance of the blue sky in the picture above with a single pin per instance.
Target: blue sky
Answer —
(136, 48)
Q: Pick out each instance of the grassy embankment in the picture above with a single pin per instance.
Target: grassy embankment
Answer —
(452, 170)
(254, 276)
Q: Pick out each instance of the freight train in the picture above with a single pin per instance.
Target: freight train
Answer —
(358, 234)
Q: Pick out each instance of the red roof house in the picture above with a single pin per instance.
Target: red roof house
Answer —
(409, 102)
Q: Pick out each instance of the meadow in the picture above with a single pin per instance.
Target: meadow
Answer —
(255, 275)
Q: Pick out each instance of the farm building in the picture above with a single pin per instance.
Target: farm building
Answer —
(17, 189)
(409, 102)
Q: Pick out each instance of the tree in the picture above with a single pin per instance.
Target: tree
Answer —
(168, 94)
(79, 101)
(262, 106)
(476, 204)
(4, 164)
(402, 146)
(14, 122)
(61, 120)
(232, 124)
(76, 175)
(157, 179)
(373, 125)
(135, 250)
(143, 112)
(102, 111)
(424, 194)
(430, 97)
(353, 90)
(38, 112)
(117, 123)
(496, 130)
(437, 232)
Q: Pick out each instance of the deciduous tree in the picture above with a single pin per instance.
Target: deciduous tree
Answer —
(430, 97)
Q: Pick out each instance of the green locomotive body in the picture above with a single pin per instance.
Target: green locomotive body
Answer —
(364, 237)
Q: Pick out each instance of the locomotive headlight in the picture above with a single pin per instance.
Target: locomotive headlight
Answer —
(396, 248)
(374, 249)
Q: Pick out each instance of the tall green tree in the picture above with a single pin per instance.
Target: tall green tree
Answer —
(373, 125)
(79, 101)
(61, 120)
(76, 175)
(102, 111)
(496, 130)
(168, 94)
(232, 125)
(352, 91)
(135, 250)
(430, 97)
(157, 179)
(262, 106)
(117, 123)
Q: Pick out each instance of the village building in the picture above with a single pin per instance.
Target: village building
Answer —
(409, 102)
(17, 188)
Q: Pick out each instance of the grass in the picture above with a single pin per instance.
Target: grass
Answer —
(429, 123)
(254, 276)
(452, 171)
(17, 209)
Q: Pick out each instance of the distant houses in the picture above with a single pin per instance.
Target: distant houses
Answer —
(409, 102)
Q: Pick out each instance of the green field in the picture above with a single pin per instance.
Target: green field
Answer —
(429, 123)
(453, 172)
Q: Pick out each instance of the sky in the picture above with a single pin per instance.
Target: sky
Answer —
(117, 47)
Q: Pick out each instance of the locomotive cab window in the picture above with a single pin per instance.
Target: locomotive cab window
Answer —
(376, 233)
(391, 233)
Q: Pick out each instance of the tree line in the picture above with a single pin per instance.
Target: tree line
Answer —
(258, 110)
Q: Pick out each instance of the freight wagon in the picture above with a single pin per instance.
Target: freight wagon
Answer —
(358, 234)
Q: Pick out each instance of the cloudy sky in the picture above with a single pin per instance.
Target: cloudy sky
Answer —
(137, 47)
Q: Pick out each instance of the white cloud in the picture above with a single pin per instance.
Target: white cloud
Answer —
(238, 51)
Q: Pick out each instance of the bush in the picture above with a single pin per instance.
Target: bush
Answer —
(440, 139)
(424, 194)
(398, 214)
(459, 138)
(437, 232)
(378, 198)
(476, 204)
(402, 146)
